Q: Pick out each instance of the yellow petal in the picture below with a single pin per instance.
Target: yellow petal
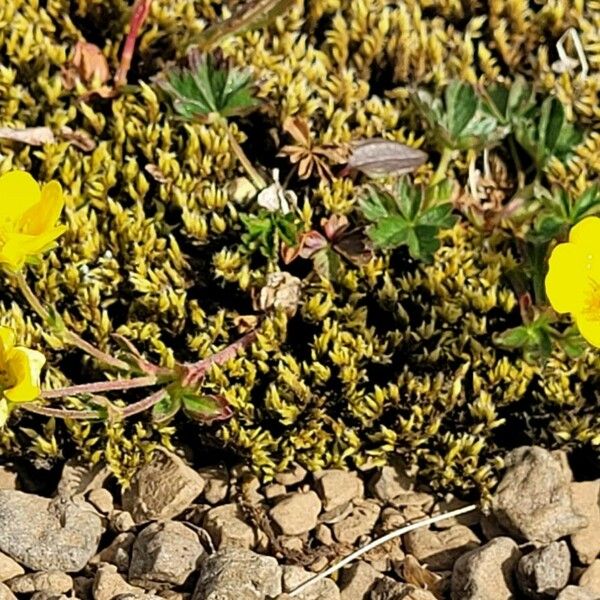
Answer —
(586, 234)
(24, 367)
(589, 328)
(567, 280)
(43, 216)
(4, 411)
(7, 339)
(19, 246)
(19, 191)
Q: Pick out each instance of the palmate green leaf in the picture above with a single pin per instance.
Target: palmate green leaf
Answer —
(508, 104)
(207, 87)
(405, 220)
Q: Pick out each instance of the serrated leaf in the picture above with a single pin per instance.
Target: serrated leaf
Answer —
(461, 105)
(389, 232)
(586, 203)
(516, 337)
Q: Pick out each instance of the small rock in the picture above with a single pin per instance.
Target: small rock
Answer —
(586, 501)
(361, 521)
(590, 578)
(337, 487)
(164, 553)
(9, 568)
(440, 549)
(108, 584)
(487, 572)
(357, 581)
(544, 572)
(162, 489)
(51, 582)
(324, 535)
(295, 474)
(385, 556)
(78, 477)
(216, 483)
(450, 503)
(122, 521)
(574, 592)
(238, 574)
(388, 589)
(275, 490)
(117, 553)
(47, 596)
(226, 526)
(102, 499)
(293, 577)
(296, 513)
(82, 587)
(533, 500)
(419, 500)
(35, 533)
(337, 514)
(5, 593)
(319, 564)
(389, 483)
(8, 479)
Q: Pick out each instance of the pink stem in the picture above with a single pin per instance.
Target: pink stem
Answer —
(195, 371)
(141, 8)
(100, 386)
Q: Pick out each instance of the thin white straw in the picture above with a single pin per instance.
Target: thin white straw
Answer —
(378, 542)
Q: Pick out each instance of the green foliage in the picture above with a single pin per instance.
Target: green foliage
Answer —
(267, 229)
(457, 120)
(198, 407)
(209, 86)
(510, 105)
(403, 218)
(547, 135)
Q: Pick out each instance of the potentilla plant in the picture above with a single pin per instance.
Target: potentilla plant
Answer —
(29, 226)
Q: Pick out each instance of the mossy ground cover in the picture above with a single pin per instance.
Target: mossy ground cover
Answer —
(398, 354)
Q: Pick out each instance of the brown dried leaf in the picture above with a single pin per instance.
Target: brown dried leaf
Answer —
(299, 129)
(421, 577)
(245, 323)
(378, 157)
(156, 173)
(34, 136)
(79, 138)
(89, 63)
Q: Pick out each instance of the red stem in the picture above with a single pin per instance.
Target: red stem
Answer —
(100, 386)
(141, 8)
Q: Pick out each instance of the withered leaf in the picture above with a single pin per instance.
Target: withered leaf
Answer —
(156, 173)
(34, 136)
(253, 13)
(79, 138)
(377, 157)
(421, 577)
(88, 64)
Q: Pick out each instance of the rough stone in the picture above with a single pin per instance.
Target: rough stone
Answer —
(586, 501)
(533, 501)
(324, 535)
(294, 475)
(108, 584)
(440, 549)
(78, 477)
(122, 521)
(487, 572)
(5, 593)
(43, 536)
(388, 589)
(574, 592)
(50, 582)
(451, 503)
(275, 490)
(544, 572)
(361, 521)
(227, 527)
(164, 553)
(102, 499)
(296, 513)
(590, 578)
(293, 577)
(389, 482)
(9, 480)
(216, 483)
(117, 552)
(357, 581)
(337, 487)
(9, 568)
(162, 489)
(238, 574)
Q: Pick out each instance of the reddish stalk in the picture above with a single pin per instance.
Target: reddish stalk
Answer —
(141, 8)
(100, 386)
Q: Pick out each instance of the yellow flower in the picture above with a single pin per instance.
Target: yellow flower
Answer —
(573, 280)
(28, 217)
(20, 370)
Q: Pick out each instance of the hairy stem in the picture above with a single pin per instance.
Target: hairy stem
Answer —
(195, 371)
(101, 386)
(59, 413)
(143, 405)
(140, 12)
(68, 336)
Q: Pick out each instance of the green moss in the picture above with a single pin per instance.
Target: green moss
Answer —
(395, 357)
